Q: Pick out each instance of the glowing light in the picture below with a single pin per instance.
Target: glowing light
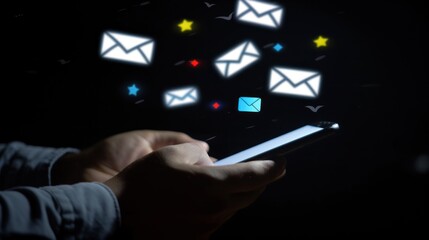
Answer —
(237, 59)
(216, 106)
(186, 25)
(249, 104)
(127, 48)
(132, 90)
(260, 13)
(181, 97)
(278, 47)
(321, 42)
(295, 82)
(194, 63)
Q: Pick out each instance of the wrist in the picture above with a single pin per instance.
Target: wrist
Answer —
(67, 170)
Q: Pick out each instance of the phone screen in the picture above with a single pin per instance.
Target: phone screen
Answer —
(269, 145)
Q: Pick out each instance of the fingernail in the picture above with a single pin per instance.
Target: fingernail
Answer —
(269, 163)
(202, 144)
(205, 145)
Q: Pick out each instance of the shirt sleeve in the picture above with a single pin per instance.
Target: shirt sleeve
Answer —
(80, 211)
(24, 165)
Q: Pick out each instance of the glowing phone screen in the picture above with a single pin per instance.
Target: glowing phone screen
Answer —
(269, 145)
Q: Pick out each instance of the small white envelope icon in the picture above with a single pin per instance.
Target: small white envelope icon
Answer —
(127, 48)
(181, 97)
(260, 12)
(237, 59)
(295, 82)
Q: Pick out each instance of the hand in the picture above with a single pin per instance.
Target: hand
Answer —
(177, 193)
(110, 156)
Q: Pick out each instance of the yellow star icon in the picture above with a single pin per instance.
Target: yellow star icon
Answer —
(321, 42)
(185, 25)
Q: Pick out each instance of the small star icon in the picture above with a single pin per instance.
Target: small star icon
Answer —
(186, 25)
(132, 91)
(194, 63)
(321, 42)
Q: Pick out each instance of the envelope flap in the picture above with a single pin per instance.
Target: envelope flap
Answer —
(242, 7)
(261, 7)
(129, 42)
(108, 42)
(235, 54)
(296, 76)
(250, 100)
(251, 49)
(183, 93)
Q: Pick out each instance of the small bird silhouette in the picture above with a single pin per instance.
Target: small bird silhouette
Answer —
(209, 5)
(227, 18)
(314, 109)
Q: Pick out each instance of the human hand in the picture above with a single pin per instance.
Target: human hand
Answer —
(177, 193)
(110, 156)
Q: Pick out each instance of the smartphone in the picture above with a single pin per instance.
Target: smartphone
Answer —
(284, 143)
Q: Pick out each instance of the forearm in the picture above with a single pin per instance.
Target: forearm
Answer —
(24, 165)
(81, 211)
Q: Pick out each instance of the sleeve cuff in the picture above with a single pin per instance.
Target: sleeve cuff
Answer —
(88, 210)
(25, 165)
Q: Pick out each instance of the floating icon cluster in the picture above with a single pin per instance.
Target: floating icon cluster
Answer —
(282, 80)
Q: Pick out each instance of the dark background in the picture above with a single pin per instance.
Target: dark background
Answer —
(369, 180)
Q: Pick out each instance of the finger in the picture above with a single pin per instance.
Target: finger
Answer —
(248, 176)
(186, 153)
(159, 139)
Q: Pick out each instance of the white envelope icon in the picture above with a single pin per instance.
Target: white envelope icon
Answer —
(259, 12)
(237, 59)
(127, 48)
(295, 82)
(181, 97)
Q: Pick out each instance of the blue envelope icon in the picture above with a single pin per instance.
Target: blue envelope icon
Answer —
(249, 104)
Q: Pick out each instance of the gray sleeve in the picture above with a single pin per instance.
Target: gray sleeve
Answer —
(24, 165)
(80, 211)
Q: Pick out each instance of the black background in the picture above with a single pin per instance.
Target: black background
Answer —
(369, 180)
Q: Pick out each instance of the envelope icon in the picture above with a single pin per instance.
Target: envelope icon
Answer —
(249, 104)
(295, 82)
(237, 59)
(127, 48)
(181, 97)
(260, 12)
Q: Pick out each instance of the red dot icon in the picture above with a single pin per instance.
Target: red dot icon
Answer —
(194, 63)
(216, 105)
